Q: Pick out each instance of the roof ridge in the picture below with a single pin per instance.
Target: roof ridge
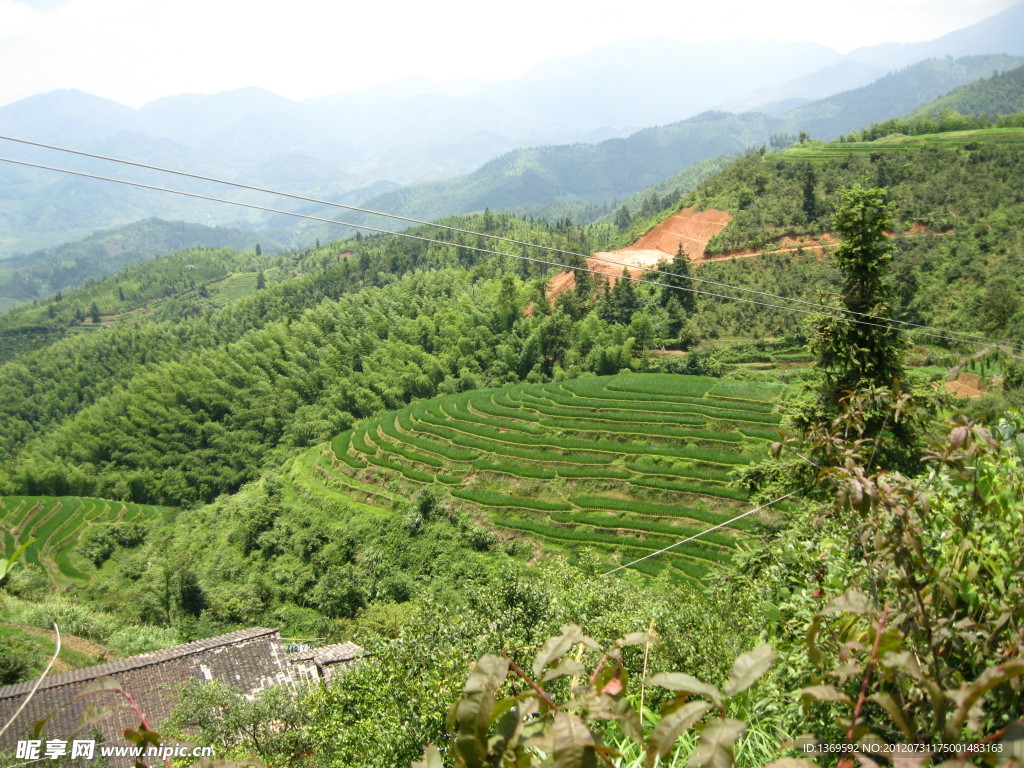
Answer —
(134, 662)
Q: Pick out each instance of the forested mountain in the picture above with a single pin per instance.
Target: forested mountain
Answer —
(40, 274)
(998, 34)
(584, 173)
(617, 168)
(970, 245)
(961, 268)
(893, 95)
(339, 147)
(189, 326)
(1001, 94)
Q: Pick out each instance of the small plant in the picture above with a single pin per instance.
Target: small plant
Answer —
(538, 727)
(6, 565)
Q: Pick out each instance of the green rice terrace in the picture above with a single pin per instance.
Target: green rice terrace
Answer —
(622, 465)
(901, 143)
(57, 525)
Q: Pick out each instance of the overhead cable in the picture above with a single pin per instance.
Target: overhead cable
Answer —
(888, 322)
(698, 535)
(829, 312)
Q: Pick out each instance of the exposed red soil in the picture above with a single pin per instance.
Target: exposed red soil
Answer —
(965, 385)
(691, 229)
(561, 282)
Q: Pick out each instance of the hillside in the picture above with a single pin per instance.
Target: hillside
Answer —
(1000, 94)
(168, 287)
(42, 273)
(585, 173)
(384, 444)
(893, 95)
(581, 174)
(61, 525)
(959, 219)
(347, 146)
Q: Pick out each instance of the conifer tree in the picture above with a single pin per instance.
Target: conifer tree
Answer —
(859, 352)
(623, 299)
(851, 353)
(676, 277)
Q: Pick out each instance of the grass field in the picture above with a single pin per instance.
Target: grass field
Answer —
(619, 465)
(57, 524)
(899, 143)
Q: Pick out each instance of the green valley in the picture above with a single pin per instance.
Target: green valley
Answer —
(600, 499)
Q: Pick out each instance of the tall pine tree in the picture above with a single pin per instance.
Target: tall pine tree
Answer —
(676, 277)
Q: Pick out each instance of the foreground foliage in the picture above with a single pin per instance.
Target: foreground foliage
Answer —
(898, 646)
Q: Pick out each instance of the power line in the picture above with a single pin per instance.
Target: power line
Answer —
(885, 322)
(378, 230)
(698, 535)
(830, 312)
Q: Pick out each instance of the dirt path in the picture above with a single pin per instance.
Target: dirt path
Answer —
(72, 643)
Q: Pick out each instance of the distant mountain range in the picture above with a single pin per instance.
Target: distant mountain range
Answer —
(617, 168)
(354, 146)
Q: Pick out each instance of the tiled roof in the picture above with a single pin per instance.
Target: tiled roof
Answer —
(135, 662)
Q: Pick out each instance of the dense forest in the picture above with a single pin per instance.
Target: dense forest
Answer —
(411, 444)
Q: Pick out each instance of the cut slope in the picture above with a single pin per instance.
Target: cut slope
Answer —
(621, 465)
(690, 228)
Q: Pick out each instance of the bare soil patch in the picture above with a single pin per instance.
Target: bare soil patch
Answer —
(965, 385)
(689, 228)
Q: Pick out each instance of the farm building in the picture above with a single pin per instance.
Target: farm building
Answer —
(248, 660)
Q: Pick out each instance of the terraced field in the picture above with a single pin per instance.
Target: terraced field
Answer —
(891, 144)
(622, 465)
(233, 287)
(57, 524)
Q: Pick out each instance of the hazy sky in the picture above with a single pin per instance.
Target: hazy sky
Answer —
(134, 51)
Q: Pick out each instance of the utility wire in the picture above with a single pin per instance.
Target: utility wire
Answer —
(31, 693)
(378, 230)
(886, 322)
(698, 535)
(830, 312)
